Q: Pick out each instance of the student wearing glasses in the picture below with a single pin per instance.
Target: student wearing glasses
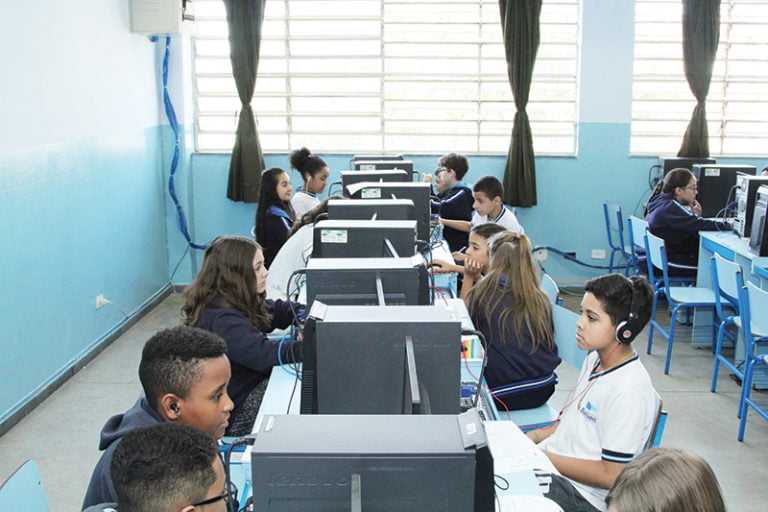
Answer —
(454, 200)
(673, 214)
(167, 468)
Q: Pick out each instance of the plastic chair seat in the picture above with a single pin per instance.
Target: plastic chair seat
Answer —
(692, 294)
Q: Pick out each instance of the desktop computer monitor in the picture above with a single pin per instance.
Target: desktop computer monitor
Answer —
(376, 165)
(746, 193)
(374, 463)
(418, 192)
(716, 183)
(367, 209)
(364, 239)
(381, 360)
(668, 163)
(389, 175)
(758, 239)
(368, 281)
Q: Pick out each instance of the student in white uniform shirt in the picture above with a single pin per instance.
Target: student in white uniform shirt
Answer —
(314, 172)
(609, 415)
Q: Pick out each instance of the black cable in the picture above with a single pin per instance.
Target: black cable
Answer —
(499, 477)
(232, 503)
(653, 181)
(484, 344)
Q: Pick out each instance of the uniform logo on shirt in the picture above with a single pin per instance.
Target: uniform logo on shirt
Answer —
(589, 412)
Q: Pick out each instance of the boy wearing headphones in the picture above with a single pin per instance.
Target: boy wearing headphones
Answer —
(184, 372)
(167, 467)
(608, 417)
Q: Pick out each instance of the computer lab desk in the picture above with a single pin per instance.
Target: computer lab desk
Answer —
(734, 248)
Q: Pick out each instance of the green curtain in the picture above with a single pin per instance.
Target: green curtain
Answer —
(520, 26)
(701, 35)
(245, 18)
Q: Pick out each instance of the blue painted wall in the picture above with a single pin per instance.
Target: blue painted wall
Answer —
(82, 208)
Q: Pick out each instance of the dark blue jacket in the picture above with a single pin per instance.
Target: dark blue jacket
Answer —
(277, 224)
(251, 353)
(679, 228)
(511, 366)
(100, 489)
(454, 204)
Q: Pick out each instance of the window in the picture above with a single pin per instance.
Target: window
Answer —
(413, 76)
(737, 105)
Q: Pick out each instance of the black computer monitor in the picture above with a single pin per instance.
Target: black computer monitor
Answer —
(374, 463)
(389, 175)
(371, 209)
(368, 281)
(364, 239)
(716, 185)
(758, 239)
(355, 359)
(668, 163)
(418, 192)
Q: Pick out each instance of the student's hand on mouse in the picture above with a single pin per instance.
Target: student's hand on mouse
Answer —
(441, 267)
(473, 268)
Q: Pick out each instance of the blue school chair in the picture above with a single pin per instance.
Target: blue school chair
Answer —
(754, 315)
(727, 280)
(659, 422)
(636, 228)
(23, 490)
(614, 226)
(679, 297)
(551, 289)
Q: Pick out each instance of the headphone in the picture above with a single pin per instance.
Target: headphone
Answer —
(175, 408)
(629, 328)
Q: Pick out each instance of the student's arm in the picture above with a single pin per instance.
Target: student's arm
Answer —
(472, 274)
(539, 434)
(443, 267)
(460, 225)
(597, 473)
(283, 311)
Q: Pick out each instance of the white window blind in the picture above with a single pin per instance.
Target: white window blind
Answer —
(737, 104)
(352, 76)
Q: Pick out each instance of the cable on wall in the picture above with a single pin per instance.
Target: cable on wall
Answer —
(170, 113)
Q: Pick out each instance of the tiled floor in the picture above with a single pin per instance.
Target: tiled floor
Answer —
(62, 433)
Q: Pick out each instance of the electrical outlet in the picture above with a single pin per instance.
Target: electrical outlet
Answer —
(101, 301)
(598, 254)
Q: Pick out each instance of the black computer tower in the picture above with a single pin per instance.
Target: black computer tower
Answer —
(746, 193)
(758, 239)
(668, 163)
(716, 182)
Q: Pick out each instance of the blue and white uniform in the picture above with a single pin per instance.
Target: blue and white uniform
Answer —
(506, 218)
(609, 417)
(454, 204)
(277, 224)
(303, 201)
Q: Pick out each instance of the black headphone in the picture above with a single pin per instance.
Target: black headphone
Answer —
(175, 408)
(629, 328)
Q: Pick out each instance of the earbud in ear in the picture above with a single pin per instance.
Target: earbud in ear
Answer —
(175, 408)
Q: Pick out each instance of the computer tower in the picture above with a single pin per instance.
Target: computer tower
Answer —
(758, 238)
(351, 177)
(746, 192)
(366, 209)
(364, 239)
(715, 183)
(668, 163)
(418, 192)
(374, 463)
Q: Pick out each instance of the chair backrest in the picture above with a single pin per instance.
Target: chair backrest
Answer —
(550, 288)
(656, 253)
(637, 229)
(23, 490)
(727, 280)
(565, 336)
(614, 223)
(660, 421)
(754, 312)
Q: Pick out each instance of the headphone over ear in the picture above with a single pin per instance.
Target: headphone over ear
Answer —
(629, 328)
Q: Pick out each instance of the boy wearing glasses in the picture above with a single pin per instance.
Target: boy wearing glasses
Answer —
(167, 468)
(673, 214)
(454, 200)
(184, 372)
